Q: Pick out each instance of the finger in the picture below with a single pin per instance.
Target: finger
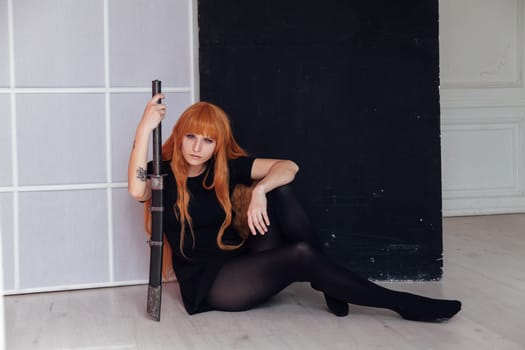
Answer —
(255, 223)
(262, 222)
(161, 109)
(266, 218)
(158, 106)
(250, 225)
(258, 226)
(155, 99)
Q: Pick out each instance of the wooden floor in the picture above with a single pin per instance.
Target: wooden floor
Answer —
(484, 267)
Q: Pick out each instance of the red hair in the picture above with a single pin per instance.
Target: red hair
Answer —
(211, 121)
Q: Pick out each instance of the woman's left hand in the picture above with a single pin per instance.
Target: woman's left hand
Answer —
(257, 212)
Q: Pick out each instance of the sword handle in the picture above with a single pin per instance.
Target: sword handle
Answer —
(157, 132)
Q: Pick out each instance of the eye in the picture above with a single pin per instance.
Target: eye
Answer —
(208, 140)
(190, 136)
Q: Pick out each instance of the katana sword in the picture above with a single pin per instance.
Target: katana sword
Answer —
(157, 210)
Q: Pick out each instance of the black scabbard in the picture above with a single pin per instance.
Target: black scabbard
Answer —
(157, 209)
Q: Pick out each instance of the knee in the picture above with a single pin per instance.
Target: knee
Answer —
(282, 192)
(303, 252)
(283, 197)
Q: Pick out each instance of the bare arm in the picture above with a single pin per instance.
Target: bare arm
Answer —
(138, 185)
(272, 173)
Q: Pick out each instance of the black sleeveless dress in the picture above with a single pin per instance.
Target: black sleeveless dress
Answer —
(198, 271)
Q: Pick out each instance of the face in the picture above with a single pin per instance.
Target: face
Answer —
(197, 149)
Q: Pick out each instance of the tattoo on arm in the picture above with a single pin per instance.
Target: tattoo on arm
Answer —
(133, 145)
(141, 174)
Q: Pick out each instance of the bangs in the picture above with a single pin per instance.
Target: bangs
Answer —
(203, 121)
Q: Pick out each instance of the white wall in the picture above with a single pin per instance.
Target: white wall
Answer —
(482, 106)
(74, 79)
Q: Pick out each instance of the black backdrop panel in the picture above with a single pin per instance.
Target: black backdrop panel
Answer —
(349, 90)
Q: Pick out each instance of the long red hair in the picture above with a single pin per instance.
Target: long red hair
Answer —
(211, 121)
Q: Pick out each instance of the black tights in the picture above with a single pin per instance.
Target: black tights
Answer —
(290, 252)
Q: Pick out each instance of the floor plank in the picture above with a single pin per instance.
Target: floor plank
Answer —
(484, 267)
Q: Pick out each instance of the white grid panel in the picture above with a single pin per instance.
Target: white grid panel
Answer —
(178, 95)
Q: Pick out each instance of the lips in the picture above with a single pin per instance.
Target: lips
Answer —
(195, 156)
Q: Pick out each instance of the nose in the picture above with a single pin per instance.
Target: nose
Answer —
(197, 145)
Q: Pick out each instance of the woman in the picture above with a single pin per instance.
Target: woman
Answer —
(216, 268)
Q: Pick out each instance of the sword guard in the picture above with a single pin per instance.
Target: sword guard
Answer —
(154, 243)
(157, 182)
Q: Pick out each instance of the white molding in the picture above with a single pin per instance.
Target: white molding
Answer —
(482, 193)
(67, 287)
(518, 82)
(516, 125)
(60, 288)
(458, 99)
(483, 118)
(483, 201)
(483, 211)
(485, 85)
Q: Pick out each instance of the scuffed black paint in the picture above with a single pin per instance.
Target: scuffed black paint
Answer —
(350, 90)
